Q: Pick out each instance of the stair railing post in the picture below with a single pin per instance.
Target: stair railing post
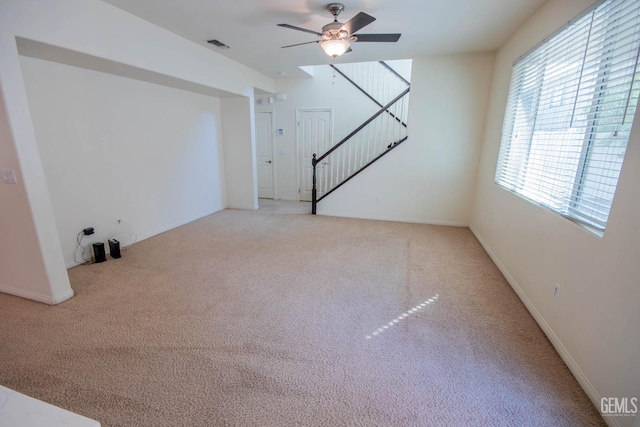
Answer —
(313, 188)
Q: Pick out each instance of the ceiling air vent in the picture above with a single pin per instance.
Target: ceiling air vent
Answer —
(218, 43)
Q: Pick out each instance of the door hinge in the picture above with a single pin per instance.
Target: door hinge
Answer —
(298, 190)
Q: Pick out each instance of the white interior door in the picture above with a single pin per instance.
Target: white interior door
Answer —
(314, 135)
(264, 151)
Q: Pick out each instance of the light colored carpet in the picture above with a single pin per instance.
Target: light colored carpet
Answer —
(276, 318)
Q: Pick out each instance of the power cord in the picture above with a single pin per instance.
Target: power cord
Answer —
(129, 237)
(84, 249)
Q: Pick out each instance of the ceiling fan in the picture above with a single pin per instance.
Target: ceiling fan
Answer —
(336, 37)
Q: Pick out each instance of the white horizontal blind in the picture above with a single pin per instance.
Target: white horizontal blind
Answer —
(571, 104)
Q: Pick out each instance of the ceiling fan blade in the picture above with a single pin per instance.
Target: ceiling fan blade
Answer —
(300, 29)
(348, 50)
(299, 44)
(358, 22)
(378, 37)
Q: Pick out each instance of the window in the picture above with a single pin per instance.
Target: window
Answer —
(571, 103)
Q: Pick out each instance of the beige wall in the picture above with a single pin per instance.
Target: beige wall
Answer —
(99, 35)
(595, 322)
(430, 178)
(239, 153)
(118, 148)
(22, 270)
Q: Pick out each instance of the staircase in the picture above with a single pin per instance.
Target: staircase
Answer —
(377, 136)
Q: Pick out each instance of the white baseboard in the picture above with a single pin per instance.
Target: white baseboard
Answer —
(555, 341)
(46, 299)
(395, 219)
(155, 232)
(177, 224)
(242, 207)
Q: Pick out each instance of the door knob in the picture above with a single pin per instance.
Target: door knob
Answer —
(268, 161)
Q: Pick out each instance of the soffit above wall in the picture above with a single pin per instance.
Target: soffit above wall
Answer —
(52, 53)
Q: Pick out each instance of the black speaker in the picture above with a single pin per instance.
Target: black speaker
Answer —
(99, 254)
(114, 248)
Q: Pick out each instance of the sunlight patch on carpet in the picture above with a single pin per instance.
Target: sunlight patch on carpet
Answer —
(402, 317)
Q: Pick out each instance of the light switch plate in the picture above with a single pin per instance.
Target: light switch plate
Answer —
(9, 176)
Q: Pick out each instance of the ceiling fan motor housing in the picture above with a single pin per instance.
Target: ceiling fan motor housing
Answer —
(334, 31)
(335, 9)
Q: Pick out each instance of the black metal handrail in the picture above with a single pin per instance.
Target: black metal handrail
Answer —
(385, 65)
(367, 93)
(359, 128)
(389, 148)
(315, 161)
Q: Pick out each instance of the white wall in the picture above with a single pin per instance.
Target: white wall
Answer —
(90, 29)
(350, 108)
(116, 148)
(22, 272)
(430, 178)
(239, 153)
(595, 322)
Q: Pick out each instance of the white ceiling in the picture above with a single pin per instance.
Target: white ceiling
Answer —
(249, 27)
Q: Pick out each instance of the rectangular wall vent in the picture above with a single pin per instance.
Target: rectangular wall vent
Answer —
(218, 43)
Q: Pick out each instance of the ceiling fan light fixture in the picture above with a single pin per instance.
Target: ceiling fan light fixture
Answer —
(336, 37)
(335, 47)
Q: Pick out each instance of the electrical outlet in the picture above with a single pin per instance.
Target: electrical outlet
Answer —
(556, 292)
(9, 176)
